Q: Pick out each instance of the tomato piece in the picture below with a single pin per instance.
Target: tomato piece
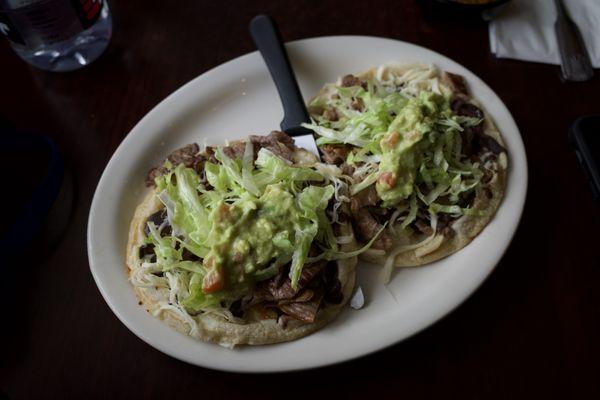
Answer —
(213, 281)
(387, 178)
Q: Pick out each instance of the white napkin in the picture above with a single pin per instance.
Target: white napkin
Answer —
(524, 30)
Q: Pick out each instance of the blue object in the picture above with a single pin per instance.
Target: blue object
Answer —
(35, 209)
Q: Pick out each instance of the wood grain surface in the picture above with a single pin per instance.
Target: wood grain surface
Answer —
(531, 331)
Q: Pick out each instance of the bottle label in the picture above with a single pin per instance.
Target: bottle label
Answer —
(47, 22)
(88, 11)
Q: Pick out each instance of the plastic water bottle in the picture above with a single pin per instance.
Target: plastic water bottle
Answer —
(56, 35)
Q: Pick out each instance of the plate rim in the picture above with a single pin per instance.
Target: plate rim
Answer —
(433, 319)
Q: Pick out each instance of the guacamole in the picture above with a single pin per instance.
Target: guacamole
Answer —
(240, 226)
(403, 145)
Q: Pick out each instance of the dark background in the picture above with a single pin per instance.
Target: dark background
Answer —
(532, 330)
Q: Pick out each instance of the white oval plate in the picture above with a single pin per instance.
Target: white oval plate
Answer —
(238, 98)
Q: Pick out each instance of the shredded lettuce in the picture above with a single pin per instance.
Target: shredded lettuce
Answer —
(272, 169)
(251, 218)
(330, 255)
(406, 141)
(364, 183)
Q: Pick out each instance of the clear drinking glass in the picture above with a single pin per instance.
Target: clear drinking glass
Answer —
(56, 35)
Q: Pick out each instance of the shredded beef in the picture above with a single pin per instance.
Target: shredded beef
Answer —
(368, 227)
(270, 291)
(153, 174)
(381, 214)
(448, 231)
(357, 104)
(368, 219)
(187, 155)
(280, 287)
(147, 249)
(455, 82)
(187, 255)
(303, 311)
(489, 143)
(423, 226)
(318, 282)
(350, 80)
(488, 192)
(477, 142)
(158, 218)
(364, 198)
(466, 199)
(444, 225)
(283, 320)
(461, 106)
(335, 153)
(443, 221)
(282, 138)
(334, 293)
(347, 169)
(331, 114)
(210, 153)
(235, 150)
(272, 139)
(309, 272)
(279, 143)
(236, 309)
(316, 110)
(469, 143)
(314, 250)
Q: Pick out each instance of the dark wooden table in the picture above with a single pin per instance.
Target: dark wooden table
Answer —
(532, 330)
